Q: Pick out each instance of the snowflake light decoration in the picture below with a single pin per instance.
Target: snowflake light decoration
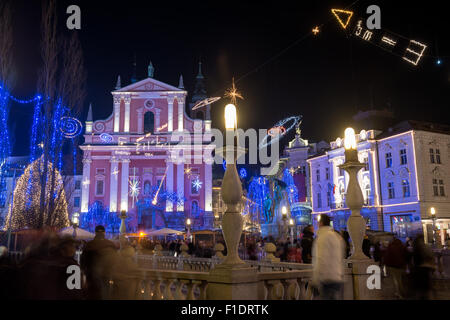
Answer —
(197, 184)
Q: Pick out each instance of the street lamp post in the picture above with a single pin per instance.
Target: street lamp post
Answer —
(356, 225)
(284, 225)
(75, 223)
(433, 217)
(291, 224)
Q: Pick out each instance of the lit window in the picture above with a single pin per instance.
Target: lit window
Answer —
(391, 190)
(77, 185)
(403, 158)
(318, 175)
(367, 190)
(405, 188)
(388, 157)
(366, 164)
(431, 155)
(438, 156)
(328, 198)
(327, 173)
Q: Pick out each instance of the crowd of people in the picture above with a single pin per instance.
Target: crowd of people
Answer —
(42, 274)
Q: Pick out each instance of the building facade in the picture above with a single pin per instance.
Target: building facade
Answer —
(149, 159)
(405, 175)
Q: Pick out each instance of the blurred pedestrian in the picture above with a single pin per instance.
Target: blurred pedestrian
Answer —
(396, 259)
(306, 244)
(366, 246)
(97, 262)
(328, 261)
(422, 269)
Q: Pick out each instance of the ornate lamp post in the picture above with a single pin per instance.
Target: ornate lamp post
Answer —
(433, 217)
(123, 228)
(232, 221)
(188, 226)
(356, 224)
(75, 223)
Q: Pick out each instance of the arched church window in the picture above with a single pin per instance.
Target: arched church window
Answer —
(194, 208)
(149, 122)
(147, 187)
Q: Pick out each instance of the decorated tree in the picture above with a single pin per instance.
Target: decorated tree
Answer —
(26, 211)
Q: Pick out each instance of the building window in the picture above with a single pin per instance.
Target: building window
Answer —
(318, 175)
(403, 158)
(388, 157)
(367, 190)
(327, 173)
(341, 172)
(391, 191)
(76, 202)
(194, 209)
(366, 164)
(319, 200)
(441, 188)
(77, 184)
(99, 188)
(100, 171)
(435, 188)
(147, 187)
(405, 188)
(438, 156)
(328, 198)
(431, 155)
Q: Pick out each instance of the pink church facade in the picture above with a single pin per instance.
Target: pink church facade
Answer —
(150, 159)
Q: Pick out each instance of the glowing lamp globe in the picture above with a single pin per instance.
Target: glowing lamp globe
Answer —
(188, 222)
(433, 211)
(350, 139)
(284, 210)
(291, 222)
(230, 117)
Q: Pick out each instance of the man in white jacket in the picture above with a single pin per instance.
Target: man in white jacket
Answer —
(328, 260)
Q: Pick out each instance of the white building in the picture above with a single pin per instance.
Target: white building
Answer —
(406, 174)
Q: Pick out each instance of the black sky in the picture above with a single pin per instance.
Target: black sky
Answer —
(327, 78)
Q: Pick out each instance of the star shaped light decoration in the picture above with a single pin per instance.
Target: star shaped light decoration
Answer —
(233, 93)
(134, 190)
(316, 30)
(197, 184)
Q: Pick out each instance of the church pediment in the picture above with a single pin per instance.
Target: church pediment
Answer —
(147, 85)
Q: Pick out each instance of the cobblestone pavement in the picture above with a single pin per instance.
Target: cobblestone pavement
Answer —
(441, 289)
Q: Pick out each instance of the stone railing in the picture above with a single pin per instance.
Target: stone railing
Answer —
(148, 284)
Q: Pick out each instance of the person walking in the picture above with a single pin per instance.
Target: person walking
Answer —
(306, 244)
(396, 258)
(328, 261)
(422, 269)
(97, 262)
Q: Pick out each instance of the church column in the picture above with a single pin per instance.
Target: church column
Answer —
(180, 186)
(124, 185)
(126, 125)
(157, 119)
(181, 101)
(170, 114)
(116, 113)
(169, 183)
(86, 183)
(114, 175)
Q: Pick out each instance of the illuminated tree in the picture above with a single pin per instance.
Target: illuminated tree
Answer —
(26, 211)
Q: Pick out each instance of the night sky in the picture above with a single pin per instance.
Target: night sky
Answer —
(326, 79)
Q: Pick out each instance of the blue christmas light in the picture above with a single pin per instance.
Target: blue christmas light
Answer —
(243, 173)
